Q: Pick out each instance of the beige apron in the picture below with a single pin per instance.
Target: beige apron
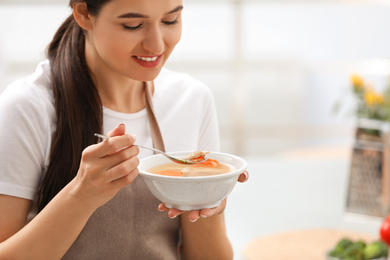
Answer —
(129, 226)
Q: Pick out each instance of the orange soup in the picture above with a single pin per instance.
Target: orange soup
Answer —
(206, 168)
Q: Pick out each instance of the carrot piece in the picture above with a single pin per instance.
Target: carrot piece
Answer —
(197, 159)
(208, 163)
(170, 173)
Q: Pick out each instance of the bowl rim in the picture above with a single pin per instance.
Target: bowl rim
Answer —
(218, 176)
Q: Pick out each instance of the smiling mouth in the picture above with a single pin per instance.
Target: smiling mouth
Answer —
(148, 59)
(148, 62)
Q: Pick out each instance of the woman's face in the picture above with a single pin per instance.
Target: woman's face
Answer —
(134, 38)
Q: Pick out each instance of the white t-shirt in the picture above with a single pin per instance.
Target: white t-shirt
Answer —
(184, 109)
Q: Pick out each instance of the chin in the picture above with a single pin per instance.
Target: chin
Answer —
(148, 75)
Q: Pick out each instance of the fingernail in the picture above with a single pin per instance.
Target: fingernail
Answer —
(203, 216)
(193, 220)
(246, 176)
(121, 124)
(134, 137)
(170, 215)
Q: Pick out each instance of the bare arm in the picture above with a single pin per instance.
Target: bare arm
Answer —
(13, 215)
(105, 168)
(47, 236)
(206, 238)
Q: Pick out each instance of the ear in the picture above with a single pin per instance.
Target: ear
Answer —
(81, 15)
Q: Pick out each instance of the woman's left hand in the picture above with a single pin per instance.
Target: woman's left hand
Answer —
(194, 215)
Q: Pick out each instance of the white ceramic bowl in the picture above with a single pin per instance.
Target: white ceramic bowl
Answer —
(191, 193)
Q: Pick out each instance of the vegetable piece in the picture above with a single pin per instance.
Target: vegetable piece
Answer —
(198, 159)
(384, 230)
(170, 173)
(340, 248)
(375, 250)
(354, 251)
(208, 163)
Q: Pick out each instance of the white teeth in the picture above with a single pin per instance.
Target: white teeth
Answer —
(147, 59)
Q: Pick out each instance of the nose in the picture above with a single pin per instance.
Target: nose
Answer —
(154, 40)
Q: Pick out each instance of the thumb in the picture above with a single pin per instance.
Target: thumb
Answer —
(119, 130)
(243, 177)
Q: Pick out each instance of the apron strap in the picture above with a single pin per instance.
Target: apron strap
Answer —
(157, 139)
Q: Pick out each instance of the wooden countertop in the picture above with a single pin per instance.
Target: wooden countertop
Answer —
(311, 244)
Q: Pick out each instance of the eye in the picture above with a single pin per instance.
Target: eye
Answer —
(171, 19)
(170, 22)
(131, 28)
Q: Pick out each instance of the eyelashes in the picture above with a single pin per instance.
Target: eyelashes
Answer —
(134, 28)
(170, 22)
(131, 28)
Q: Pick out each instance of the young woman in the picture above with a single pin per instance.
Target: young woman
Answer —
(65, 195)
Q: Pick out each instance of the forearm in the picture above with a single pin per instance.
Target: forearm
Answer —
(206, 238)
(105, 168)
(51, 233)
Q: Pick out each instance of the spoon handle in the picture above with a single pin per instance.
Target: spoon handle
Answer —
(181, 161)
(146, 147)
(150, 148)
(101, 136)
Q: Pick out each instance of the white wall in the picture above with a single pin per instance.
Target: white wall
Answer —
(25, 32)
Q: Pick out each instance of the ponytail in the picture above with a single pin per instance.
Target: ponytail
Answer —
(78, 109)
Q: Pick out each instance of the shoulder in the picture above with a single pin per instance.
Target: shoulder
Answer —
(27, 117)
(28, 104)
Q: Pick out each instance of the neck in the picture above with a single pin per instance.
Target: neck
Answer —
(124, 98)
(116, 91)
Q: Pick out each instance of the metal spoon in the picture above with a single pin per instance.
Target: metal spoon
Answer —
(176, 160)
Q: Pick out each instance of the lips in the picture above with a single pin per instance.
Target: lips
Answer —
(148, 61)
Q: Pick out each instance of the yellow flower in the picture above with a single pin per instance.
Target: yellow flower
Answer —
(357, 81)
(372, 98)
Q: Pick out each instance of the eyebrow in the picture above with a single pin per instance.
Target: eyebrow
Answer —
(137, 15)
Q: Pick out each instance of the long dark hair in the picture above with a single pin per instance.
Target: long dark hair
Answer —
(77, 103)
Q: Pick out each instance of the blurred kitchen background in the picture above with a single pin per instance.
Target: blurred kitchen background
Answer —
(276, 68)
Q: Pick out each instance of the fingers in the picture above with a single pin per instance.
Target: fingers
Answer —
(194, 215)
(126, 179)
(112, 159)
(107, 167)
(114, 144)
(123, 163)
(172, 213)
(120, 156)
(243, 177)
(117, 141)
(119, 130)
(110, 167)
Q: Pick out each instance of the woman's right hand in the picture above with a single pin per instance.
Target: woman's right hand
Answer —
(106, 167)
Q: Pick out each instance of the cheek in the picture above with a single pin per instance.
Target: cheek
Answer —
(112, 43)
(173, 37)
